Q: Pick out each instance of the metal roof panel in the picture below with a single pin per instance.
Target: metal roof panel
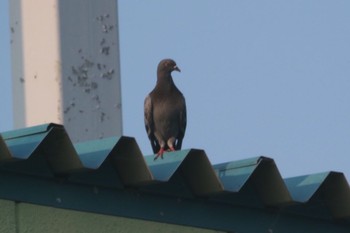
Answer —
(25, 132)
(234, 175)
(257, 178)
(323, 194)
(22, 142)
(164, 169)
(186, 170)
(93, 153)
(44, 149)
(130, 163)
(5, 153)
(117, 163)
(303, 188)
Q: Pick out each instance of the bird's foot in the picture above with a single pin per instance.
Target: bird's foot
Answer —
(171, 149)
(159, 154)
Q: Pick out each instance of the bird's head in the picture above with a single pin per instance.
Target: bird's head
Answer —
(167, 66)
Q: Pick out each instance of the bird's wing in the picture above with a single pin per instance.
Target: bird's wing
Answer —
(149, 123)
(182, 126)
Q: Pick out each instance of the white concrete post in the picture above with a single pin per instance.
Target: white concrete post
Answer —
(65, 66)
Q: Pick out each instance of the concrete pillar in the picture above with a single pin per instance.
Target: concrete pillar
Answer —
(65, 66)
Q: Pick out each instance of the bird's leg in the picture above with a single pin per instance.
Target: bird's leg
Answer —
(171, 143)
(160, 153)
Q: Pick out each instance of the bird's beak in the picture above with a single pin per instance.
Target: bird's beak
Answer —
(177, 68)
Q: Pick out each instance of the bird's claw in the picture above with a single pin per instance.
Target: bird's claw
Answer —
(159, 154)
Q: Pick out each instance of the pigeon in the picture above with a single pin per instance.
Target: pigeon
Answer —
(165, 111)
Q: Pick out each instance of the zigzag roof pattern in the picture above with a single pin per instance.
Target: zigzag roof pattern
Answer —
(46, 151)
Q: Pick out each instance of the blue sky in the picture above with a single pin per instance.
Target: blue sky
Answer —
(265, 78)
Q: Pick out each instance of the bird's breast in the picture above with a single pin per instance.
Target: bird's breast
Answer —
(165, 111)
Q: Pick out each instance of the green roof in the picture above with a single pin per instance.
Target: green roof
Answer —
(111, 176)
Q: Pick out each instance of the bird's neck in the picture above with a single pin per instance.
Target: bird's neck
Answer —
(165, 81)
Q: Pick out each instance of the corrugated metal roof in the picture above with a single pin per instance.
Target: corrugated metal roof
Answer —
(46, 152)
